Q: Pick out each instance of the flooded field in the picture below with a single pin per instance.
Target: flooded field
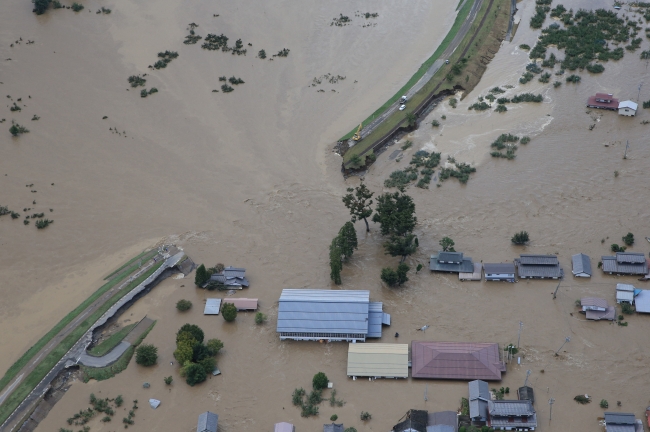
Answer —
(249, 179)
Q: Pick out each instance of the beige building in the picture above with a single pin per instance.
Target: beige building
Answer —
(378, 360)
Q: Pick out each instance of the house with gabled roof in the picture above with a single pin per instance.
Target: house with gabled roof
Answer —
(512, 415)
(479, 395)
(499, 272)
(581, 265)
(207, 422)
(625, 263)
(530, 266)
(620, 422)
(451, 262)
(231, 278)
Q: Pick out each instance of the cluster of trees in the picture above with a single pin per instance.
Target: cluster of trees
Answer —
(203, 275)
(395, 213)
(197, 359)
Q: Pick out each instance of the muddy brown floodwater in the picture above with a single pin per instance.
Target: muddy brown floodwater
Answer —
(249, 179)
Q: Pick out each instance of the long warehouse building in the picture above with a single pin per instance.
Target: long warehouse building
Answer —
(333, 315)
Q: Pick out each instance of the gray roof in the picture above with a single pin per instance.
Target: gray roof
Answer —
(526, 393)
(531, 259)
(443, 419)
(451, 262)
(284, 427)
(499, 268)
(376, 319)
(233, 276)
(207, 422)
(619, 418)
(642, 301)
(333, 427)
(625, 263)
(511, 408)
(581, 264)
(607, 314)
(539, 266)
(593, 301)
(323, 311)
(212, 306)
(624, 287)
(479, 395)
(441, 428)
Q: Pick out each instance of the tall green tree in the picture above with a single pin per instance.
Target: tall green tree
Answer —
(40, 6)
(395, 212)
(401, 246)
(389, 276)
(347, 240)
(229, 312)
(193, 329)
(447, 244)
(402, 269)
(146, 355)
(336, 264)
(411, 119)
(359, 202)
(201, 276)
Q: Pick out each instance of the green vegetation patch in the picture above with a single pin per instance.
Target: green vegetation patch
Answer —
(111, 342)
(461, 171)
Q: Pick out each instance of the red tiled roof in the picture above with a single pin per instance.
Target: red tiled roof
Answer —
(592, 102)
(604, 96)
(242, 303)
(456, 360)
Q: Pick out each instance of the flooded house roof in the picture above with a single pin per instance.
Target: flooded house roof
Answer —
(581, 264)
(242, 303)
(499, 268)
(212, 306)
(453, 262)
(207, 422)
(603, 101)
(284, 427)
(539, 266)
(456, 360)
(625, 263)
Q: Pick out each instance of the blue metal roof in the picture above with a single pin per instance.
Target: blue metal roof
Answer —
(207, 422)
(323, 311)
(375, 316)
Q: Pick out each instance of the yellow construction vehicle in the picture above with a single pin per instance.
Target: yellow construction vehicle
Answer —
(357, 135)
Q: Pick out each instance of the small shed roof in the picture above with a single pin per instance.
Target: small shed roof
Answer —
(581, 264)
(376, 318)
(472, 276)
(499, 268)
(451, 262)
(642, 301)
(243, 303)
(526, 393)
(212, 306)
(628, 104)
(284, 427)
(207, 422)
(378, 360)
(624, 287)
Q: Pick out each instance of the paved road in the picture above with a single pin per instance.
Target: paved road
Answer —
(105, 360)
(78, 350)
(462, 32)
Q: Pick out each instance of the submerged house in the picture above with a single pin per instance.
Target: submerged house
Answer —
(284, 427)
(333, 427)
(624, 293)
(531, 266)
(499, 272)
(451, 262)
(581, 265)
(642, 301)
(442, 421)
(479, 396)
(625, 263)
(456, 360)
(476, 275)
(627, 108)
(620, 422)
(207, 422)
(603, 101)
(512, 415)
(334, 315)
(597, 309)
(231, 278)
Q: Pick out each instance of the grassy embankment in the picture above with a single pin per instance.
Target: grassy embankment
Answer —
(118, 276)
(40, 371)
(460, 18)
(111, 342)
(486, 33)
(144, 256)
(107, 372)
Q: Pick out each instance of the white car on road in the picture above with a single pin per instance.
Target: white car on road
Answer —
(402, 107)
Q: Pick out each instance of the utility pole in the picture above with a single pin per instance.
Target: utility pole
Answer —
(527, 375)
(639, 93)
(550, 411)
(626, 147)
(567, 339)
(556, 288)
(521, 324)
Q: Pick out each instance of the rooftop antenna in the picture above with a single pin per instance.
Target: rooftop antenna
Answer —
(627, 145)
(521, 325)
(566, 339)
(527, 375)
(556, 288)
(550, 411)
